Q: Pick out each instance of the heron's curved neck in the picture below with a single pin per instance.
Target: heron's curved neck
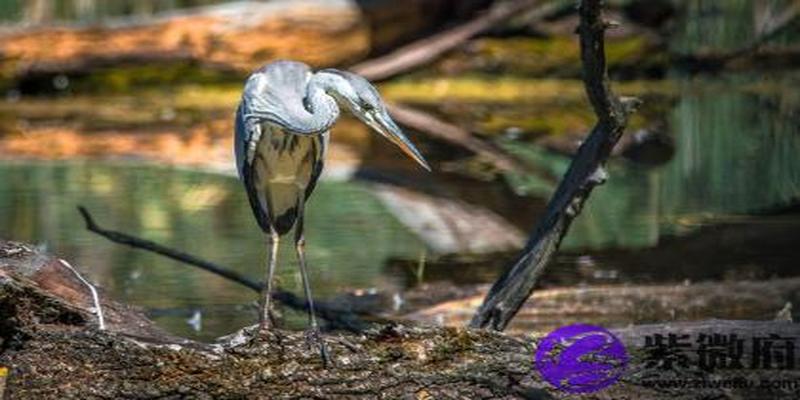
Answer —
(320, 110)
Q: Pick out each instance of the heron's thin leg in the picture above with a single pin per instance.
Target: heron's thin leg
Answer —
(266, 293)
(300, 242)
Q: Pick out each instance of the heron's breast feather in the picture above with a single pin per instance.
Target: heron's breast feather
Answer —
(284, 168)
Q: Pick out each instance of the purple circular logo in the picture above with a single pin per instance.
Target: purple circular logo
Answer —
(581, 358)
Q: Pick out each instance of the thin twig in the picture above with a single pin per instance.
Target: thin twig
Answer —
(338, 317)
(95, 297)
(586, 171)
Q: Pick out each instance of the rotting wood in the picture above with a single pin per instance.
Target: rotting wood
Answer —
(54, 351)
(627, 304)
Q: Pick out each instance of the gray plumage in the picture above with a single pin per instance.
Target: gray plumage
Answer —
(282, 131)
(279, 160)
(291, 108)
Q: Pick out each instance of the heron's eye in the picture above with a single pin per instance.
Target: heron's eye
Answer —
(367, 106)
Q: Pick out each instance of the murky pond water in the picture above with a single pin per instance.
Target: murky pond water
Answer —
(735, 170)
(707, 213)
(350, 235)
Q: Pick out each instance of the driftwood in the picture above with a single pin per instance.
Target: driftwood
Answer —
(50, 343)
(585, 172)
(448, 226)
(429, 49)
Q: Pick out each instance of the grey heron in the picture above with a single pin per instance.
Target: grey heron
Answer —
(282, 132)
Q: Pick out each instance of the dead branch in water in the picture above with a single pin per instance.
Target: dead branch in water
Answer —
(428, 49)
(338, 317)
(586, 171)
(751, 50)
(436, 128)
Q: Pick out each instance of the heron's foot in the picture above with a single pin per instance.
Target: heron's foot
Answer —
(264, 327)
(314, 340)
(266, 323)
(264, 334)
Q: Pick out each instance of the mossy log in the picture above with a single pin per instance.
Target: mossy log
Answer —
(54, 350)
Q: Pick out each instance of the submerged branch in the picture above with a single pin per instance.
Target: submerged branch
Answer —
(144, 244)
(338, 317)
(586, 171)
(436, 128)
(429, 49)
(751, 51)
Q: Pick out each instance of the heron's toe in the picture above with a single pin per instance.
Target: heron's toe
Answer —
(314, 340)
(262, 335)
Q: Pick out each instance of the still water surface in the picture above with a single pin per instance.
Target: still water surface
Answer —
(735, 168)
(350, 234)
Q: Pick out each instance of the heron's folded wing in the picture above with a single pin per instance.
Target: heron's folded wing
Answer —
(277, 92)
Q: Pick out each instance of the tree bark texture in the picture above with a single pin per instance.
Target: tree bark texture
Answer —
(50, 342)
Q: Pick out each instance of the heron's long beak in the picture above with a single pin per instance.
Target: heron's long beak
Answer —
(383, 123)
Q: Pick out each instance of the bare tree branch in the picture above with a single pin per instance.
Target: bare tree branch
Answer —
(750, 50)
(586, 171)
(427, 50)
(453, 134)
(779, 25)
(339, 317)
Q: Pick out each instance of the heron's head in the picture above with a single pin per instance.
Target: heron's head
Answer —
(362, 99)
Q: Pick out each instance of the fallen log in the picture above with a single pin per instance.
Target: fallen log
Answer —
(235, 36)
(21, 262)
(622, 305)
(53, 350)
(231, 37)
(448, 226)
